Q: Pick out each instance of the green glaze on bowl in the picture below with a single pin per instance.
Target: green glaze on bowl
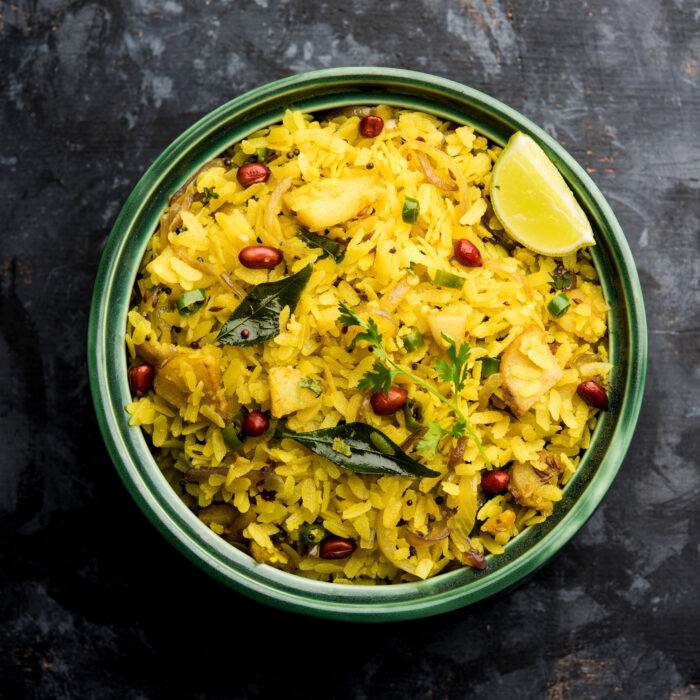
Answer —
(313, 92)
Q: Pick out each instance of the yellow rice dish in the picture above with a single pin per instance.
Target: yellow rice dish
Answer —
(382, 264)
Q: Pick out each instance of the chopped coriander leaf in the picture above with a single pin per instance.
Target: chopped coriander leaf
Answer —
(312, 384)
(209, 194)
(430, 442)
(561, 281)
(381, 377)
(455, 370)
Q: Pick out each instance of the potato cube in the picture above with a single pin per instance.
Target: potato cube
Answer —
(528, 370)
(332, 200)
(286, 396)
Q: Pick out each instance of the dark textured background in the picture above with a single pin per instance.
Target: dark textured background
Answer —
(93, 602)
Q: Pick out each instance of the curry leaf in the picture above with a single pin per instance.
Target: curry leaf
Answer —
(257, 317)
(360, 448)
(327, 245)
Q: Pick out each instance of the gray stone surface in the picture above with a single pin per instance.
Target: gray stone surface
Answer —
(93, 603)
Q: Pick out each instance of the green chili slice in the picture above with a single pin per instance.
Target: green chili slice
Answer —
(233, 435)
(410, 210)
(313, 534)
(447, 279)
(489, 366)
(262, 154)
(413, 340)
(559, 305)
(189, 302)
(413, 413)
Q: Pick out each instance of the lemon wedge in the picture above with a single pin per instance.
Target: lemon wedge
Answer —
(534, 203)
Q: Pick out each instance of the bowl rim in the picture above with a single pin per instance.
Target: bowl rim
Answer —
(289, 591)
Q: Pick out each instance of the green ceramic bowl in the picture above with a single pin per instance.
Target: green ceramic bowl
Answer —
(228, 124)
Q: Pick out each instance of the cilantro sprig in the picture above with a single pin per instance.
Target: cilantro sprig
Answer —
(385, 370)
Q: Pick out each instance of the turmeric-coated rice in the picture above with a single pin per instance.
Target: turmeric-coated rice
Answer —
(328, 179)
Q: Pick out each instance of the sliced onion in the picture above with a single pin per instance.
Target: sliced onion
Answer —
(457, 453)
(156, 354)
(473, 557)
(274, 207)
(433, 177)
(490, 385)
(215, 162)
(174, 216)
(437, 534)
(392, 298)
(386, 315)
(346, 112)
(579, 362)
(206, 268)
(387, 546)
(517, 275)
(232, 285)
(269, 480)
(450, 164)
(362, 407)
(408, 442)
(383, 111)
(202, 474)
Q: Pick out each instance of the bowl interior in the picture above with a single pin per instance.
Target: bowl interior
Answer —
(107, 354)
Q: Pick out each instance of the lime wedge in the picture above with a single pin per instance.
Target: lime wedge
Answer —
(534, 203)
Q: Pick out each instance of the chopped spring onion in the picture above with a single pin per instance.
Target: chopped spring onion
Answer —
(413, 340)
(313, 534)
(447, 279)
(489, 366)
(232, 434)
(413, 413)
(559, 305)
(189, 302)
(410, 210)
